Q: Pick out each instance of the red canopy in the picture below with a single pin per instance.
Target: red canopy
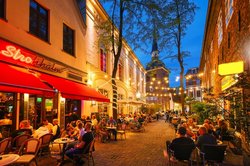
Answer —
(73, 90)
(16, 79)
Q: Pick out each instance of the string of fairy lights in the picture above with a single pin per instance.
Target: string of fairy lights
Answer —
(160, 88)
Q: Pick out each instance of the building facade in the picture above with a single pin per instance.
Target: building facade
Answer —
(130, 77)
(193, 84)
(225, 58)
(50, 67)
(157, 81)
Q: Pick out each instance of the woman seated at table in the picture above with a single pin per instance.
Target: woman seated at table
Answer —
(24, 128)
(205, 138)
(222, 129)
(210, 129)
(190, 123)
(189, 132)
(78, 131)
(83, 143)
(101, 130)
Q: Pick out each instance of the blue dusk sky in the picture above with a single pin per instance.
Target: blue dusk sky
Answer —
(192, 43)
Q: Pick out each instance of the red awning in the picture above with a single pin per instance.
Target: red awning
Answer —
(16, 79)
(73, 90)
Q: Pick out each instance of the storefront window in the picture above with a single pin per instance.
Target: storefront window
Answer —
(6, 112)
(72, 110)
(50, 112)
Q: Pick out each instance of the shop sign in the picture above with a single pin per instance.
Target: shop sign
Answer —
(15, 54)
(231, 68)
(227, 82)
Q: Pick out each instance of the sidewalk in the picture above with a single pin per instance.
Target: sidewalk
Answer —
(139, 149)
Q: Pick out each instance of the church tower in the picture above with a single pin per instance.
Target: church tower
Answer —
(157, 80)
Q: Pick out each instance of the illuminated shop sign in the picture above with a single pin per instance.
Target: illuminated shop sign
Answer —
(10, 52)
(227, 82)
(231, 68)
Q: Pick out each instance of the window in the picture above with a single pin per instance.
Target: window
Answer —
(228, 10)
(239, 21)
(220, 31)
(2, 9)
(198, 93)
(120, 97)
(120, 71)
(38, 21)
(104, 92)
(82, 7)
(68, 40)
(103, 61)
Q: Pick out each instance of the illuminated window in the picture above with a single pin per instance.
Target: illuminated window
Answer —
(38, 22)
(120, 97)
(228, 10)
(120, 70)
(68, 40)
(103, 61)
(104, 92)
(2, 8)
(219, 27)
(198, 93)
(82, 7)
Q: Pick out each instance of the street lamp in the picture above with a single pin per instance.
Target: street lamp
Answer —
(138, 95)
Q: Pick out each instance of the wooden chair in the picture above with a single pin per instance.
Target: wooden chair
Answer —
(5, 145)
(18, 140)
(88, 152)
(45, 140)
(122, 130)
(213, 153)
(28, 151)
(181, 153)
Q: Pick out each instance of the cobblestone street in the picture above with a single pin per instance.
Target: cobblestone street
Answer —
(139, 149)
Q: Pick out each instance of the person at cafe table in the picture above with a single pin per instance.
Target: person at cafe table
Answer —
(205, 138)
(82, 146)
(112, 123)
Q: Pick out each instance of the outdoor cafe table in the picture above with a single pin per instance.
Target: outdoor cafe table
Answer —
(63, 141)
(8, 159)
(111, 129)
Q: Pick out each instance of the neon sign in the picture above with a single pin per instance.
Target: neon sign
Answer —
(18, 55)
(13, 52)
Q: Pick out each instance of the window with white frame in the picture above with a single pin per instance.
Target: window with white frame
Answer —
(219, 27)
(103, 60)
(198, 93)
(228, 10)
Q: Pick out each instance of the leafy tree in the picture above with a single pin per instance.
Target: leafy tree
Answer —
(172, 28)
(133, 18)
(136, 19)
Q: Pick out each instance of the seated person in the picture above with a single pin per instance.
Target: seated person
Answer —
(205, 138)
(48, 125)
(112, 122)
(24, 128)
(82, 146)
(40, 132)
(181, 140)
(78, 131)
(56, 129)
(101, 130)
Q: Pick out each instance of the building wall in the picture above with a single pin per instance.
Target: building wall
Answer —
(193, 84)
(157, 87)
(234, 45)
(128, 85)
(16, 29)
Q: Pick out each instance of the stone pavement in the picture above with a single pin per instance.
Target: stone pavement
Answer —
(139, 149)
